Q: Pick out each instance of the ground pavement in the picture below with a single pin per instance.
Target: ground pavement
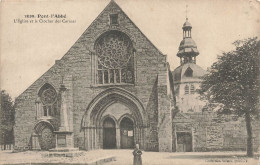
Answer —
(188, 158)
(125, 157)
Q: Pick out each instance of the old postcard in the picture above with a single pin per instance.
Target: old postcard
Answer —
(121, 82)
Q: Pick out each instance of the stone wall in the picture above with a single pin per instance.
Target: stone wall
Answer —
(212, 132)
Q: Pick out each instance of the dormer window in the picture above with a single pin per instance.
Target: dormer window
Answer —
(188, 72)
(114, 19)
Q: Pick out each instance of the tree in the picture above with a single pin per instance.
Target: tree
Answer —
(233, 84)
(7, 115)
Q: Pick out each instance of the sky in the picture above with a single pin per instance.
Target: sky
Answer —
(28, 50)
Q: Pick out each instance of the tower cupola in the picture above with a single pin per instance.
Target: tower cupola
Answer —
(188, 48)
(186, 29)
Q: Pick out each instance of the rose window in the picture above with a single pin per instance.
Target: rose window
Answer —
(115, 58)
(49, 96)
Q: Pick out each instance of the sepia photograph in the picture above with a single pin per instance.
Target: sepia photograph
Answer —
(130, 82)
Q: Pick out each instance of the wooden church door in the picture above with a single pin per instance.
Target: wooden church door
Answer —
(127, 133)
(47, 139)
(109, 134)
(184, 142)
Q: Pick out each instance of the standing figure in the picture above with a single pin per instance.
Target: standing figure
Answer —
(137, 155)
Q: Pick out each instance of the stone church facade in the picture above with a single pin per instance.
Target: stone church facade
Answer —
(119, 91)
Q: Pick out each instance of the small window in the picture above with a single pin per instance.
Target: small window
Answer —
(186, 89)
(114, 19)
(192, 89)
(188, 72)
(45, 111)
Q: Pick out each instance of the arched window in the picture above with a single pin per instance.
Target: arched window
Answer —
(48, 101)
(186, 89)
(115, 58)
(188, 72)
(192, 89)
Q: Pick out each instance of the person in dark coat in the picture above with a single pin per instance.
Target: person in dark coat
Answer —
(137, 155)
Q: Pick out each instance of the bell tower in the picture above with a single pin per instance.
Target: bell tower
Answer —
(188, 48)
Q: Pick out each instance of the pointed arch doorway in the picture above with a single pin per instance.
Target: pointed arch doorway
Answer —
(44, 137)
(109, 133)
(96, 132)
(126, 133)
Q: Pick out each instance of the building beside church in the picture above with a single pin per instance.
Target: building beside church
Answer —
(119, 91)
(196, 128)
(188, 76)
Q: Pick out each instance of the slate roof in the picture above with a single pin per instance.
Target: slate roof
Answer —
(187, 46)
(179, 76)
(187, 24)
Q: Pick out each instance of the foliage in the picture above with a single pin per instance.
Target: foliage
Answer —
(233, 81)
(232, 84)
(7, 113)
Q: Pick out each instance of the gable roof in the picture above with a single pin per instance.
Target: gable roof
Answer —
(113, 3)
(78, 44)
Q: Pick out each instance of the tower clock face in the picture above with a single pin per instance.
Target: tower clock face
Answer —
(49, 96)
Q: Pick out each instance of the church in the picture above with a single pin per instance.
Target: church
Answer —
(114, 89)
